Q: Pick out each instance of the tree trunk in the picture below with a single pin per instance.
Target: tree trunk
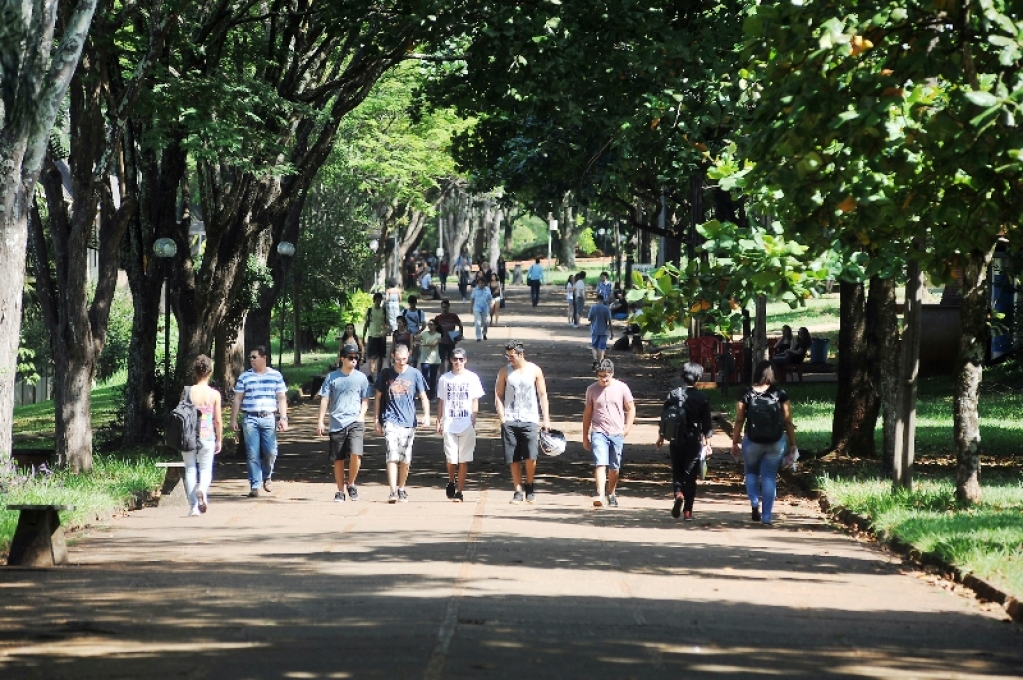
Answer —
(761, 352)
(856, 401)
(229, 355)
(139, 391)
(73, 409)
(973, 315)
(909, 376)
(568, 238)
(296, 310)
(13, 237)
(883, 334)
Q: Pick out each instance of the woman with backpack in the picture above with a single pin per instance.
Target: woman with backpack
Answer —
(686, 424)
(199, 463)
(765, 412)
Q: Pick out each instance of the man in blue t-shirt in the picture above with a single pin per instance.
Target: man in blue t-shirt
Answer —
(345, 393)
(259, 395)
(534, 277)
(394, 413)
(600, 329)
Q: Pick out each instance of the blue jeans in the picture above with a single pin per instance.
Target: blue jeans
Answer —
(534, 291)
(481, 319)
(607, 449)
(260, 438)
(431, 372)
(198, 469)
(761, 463)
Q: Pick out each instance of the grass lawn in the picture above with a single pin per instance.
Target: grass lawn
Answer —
(115, 478)
(986, 540)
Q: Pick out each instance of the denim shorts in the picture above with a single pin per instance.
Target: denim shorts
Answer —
(598, 341)
(607, 449)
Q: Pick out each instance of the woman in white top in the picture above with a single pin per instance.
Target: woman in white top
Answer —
(580, 298)
(199, 463)
(430, 357)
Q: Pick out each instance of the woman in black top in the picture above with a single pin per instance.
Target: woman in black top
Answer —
(687, 449)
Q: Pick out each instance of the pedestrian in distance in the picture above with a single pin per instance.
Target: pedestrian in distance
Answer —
(458, 394)
(604, 287)
(600, 329)
(481, 299)
(376, 328)
(415, 320)
(260, 395)
(496, 293)
(520, 396)
(351, 337)
(570, 299)
(394, 413)
(534, 278)
(345, 395)
(764, 412)
(502, 270)
(429, 366)
(402, 336)
(392, 301)
(443, 274)
(607, 420)
(199, 463)
(689, 441)
(579, 291)
(451, 332)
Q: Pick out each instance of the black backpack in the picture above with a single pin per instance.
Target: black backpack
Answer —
(181, 431)
(674, 420)
(765, 423)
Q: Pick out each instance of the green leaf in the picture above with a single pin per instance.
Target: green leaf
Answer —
(982, 98)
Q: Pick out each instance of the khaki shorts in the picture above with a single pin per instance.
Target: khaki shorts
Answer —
(458, 448)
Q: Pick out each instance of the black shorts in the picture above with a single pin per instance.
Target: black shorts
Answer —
(376, 348)
(347, 442)
(521, 441)
(445, 352)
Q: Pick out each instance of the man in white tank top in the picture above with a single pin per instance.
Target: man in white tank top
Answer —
(521, 396)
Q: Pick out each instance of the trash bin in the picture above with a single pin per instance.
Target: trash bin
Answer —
(819, 351)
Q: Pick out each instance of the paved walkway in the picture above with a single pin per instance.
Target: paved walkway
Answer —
(296, 586)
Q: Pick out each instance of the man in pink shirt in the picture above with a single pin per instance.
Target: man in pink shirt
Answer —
(607, 421)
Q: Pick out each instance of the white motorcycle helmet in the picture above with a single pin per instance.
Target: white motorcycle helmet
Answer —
(553, 442)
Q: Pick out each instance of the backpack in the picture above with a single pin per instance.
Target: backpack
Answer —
(765, 423)
(181, 431)
(674, 420)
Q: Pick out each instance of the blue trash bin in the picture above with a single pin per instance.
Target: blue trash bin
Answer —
(819, 351)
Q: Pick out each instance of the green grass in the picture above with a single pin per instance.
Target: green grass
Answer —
(37, 420)
(986, 540)
(95, 495)
(592, 269)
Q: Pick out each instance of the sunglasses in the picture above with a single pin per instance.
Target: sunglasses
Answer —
(457, 358)
(255, 356)
(352, 357)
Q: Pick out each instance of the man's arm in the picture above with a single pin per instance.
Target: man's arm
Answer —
(475, 411)
(425, 401)
(499, 394)
(541, 392)
(282, 408)
(630, 417)
(362, 411)
(587, 420)
(324, 400)
(236, 406)
(377, 427)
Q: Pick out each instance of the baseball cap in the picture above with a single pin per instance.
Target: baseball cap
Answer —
(350, 349)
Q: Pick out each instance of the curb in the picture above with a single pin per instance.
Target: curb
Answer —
(983, 590)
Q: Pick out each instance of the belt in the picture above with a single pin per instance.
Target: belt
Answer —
(260, 414)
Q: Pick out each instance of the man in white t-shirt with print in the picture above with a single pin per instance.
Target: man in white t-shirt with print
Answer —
(458, 393)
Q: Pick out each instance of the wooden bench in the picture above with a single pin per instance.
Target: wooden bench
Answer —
(173, 490)
(33, 458)
(39, 539)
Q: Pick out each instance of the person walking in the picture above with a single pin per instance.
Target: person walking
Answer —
(199, 463)
(607, 420)
(351, 337)
(392, 302)
(345, 395)
(692, 442)
(451, 332)
(604, 287)
(402, 336)
(394, 413)
(458, 394)
(502, 270)
(415, 320)
(481, 299)
(534, 277)
(600, 329)
(570, 300)
(429, 365)
(376, 327)
(765, 412)
(520, 395)
(496, 293)
(260, 394)
(579, 292)
(463, 268)
(442, 272)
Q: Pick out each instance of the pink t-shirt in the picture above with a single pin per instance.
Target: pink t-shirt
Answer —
(608, 406)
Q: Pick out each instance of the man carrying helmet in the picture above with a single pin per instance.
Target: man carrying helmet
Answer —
(607, 420)
(520, 394)
(345, 393)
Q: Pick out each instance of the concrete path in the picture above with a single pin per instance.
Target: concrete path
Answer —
(293, 585)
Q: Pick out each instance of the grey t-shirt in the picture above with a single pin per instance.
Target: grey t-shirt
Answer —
(345, 394)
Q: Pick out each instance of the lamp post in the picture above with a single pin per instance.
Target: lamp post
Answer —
(286, 250)
(553, 224)
(166, 249)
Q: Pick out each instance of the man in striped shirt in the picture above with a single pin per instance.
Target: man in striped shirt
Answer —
(260, 393)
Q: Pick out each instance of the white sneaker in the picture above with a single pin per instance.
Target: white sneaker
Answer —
(195, 511)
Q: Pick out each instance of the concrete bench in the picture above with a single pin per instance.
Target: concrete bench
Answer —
(39, 538)
(173, 490)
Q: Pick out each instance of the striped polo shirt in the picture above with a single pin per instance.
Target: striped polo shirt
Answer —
(260, 389)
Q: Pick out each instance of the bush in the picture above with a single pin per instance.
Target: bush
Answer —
(356, 304)
(586, 245)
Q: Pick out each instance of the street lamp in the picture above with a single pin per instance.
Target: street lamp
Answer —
(286, 250)
(166, 249)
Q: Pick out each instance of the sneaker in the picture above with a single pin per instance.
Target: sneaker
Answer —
(598, 501)
(266, 485)
(484, 336)
(756, 514)
(457, 497)
(339, 497)
(353, 493)
(392, 497)
(676, 509)
(595, 364)
(612, 500)
(530, 496)
(254, 492)
(517, 497)
(200, 500)
(402, 496)
(450, 490)
(687, 515)
(195, 511)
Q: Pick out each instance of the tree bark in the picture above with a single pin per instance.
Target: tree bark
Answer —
(229, 355)
(883, 333)
(568, 238)
(969, 372)
(856, 401)
(909, 376)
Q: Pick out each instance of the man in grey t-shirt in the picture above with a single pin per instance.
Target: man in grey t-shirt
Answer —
(345, 393)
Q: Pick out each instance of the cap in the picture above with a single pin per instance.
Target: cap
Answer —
(459, 352)
(350, 349)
